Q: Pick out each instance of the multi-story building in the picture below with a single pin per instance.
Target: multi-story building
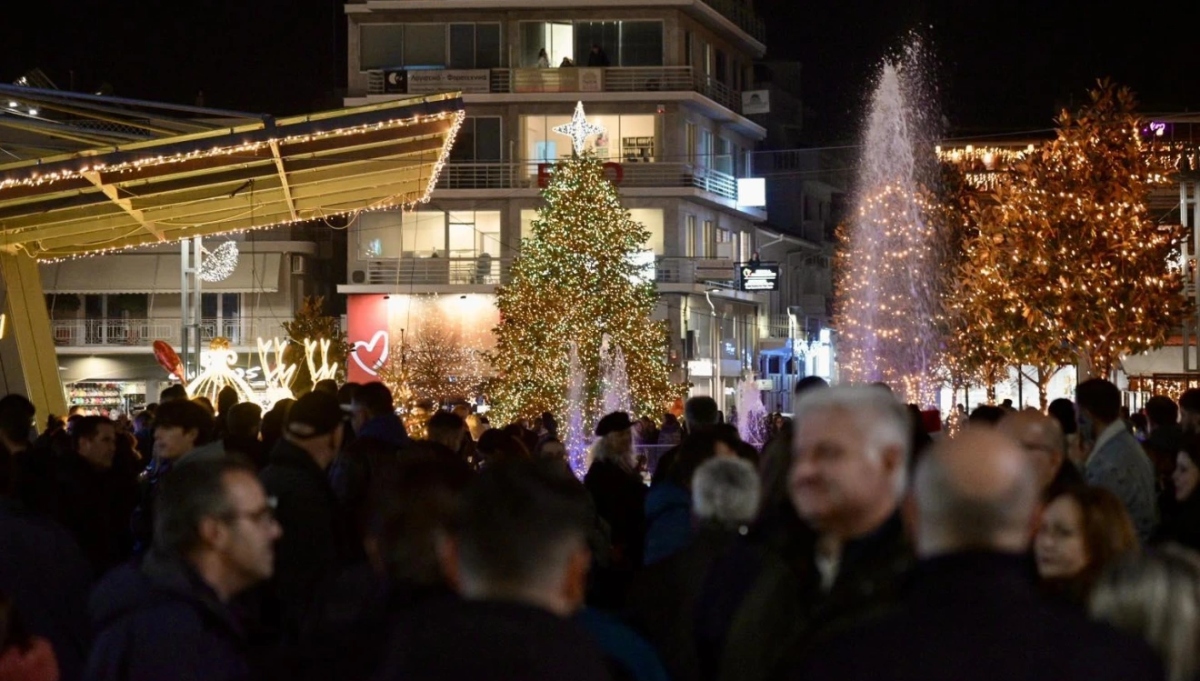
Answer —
(107, 312)
(665, 80)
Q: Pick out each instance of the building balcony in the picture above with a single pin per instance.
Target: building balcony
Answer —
(475, 176)
(640, 79)
(420, 274)
(118, 333)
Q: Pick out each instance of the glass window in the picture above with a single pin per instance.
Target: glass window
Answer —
(380, 46)
(720, 67)
(379, 234)
(641, 43)
(652, 220)
(424, 234)
(478, 140)
(689, 235)
(487, 46)
(625, 138)
(726, 245)
(723, 159)
(556, 37)
(230, 305)
(473, 233)
(709, 240)
(424, 44)
(704, 148)
(209, 305)
(606, 34)
(687, 48)
(462, 46)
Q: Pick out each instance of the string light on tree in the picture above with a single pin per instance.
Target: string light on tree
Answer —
(578, 279)
(277, 374)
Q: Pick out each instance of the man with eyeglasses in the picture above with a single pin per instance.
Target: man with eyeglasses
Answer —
(169, 617)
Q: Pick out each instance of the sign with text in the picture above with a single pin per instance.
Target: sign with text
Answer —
(758, 277)
(448, 80)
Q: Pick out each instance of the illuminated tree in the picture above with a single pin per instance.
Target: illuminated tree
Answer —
(311, 323)
(1066, 261)
(578, 278)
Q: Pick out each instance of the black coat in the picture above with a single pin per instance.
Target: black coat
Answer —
(976, 616)
(620, 498)
(316, 541)
(44, 573)
(95, 506)
(662, 601)
(159, 620)
(763, 607)
(489, 641)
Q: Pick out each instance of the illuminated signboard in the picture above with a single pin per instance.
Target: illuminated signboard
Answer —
(758, 277)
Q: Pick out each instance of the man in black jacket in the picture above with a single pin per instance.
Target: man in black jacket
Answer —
(971, 612)
(169, 617)
(317, 538)
(774, 598)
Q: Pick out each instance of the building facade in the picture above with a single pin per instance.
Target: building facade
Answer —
(665, 82)
(107, 311)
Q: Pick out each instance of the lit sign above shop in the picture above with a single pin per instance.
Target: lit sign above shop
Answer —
(758, 277)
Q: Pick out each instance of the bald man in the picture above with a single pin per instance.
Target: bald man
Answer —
(1042, 439)
(972, 611)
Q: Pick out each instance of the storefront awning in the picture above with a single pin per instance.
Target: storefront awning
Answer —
(155, 273)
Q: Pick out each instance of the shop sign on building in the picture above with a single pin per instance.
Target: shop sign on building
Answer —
(425, 82)
(758, 277)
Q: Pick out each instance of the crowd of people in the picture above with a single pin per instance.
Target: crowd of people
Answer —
(319, 540)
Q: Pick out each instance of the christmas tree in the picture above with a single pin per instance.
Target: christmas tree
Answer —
(578, 279)
(1067, 263)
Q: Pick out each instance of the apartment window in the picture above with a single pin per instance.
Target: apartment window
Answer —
(723, 159)
(429, 233)
(479, 140)
(650, 218)
(220, 306)
(627, 43)
(745, 246)
(457, 46)
(625, 138)
(424, 44)
(704, 149)
(689, 235)
(721, 67)
(380, 46)
(687, 48)
(693, 140)
(726, 245)
(474, 46)
(709, 249)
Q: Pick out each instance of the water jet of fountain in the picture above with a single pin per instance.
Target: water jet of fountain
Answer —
(886, 290)
(575, 439)
(614, 378)
(751, 414)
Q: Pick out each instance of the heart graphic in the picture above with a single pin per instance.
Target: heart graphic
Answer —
(371, 367)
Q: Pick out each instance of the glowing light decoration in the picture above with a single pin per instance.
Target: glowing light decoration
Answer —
(316, 354)
(278, 374)
(575, 281)
(217, 372)
(218, 264)
(579, 129)
(887, 293)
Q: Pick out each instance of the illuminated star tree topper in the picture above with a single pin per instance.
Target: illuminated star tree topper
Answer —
(579, 129)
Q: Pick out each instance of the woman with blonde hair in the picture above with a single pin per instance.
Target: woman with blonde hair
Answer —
(1156, 596)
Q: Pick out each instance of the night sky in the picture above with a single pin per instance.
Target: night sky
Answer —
(1002, 66)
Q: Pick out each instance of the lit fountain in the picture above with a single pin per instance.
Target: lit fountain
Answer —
(575, 439)
(751, 414)
(886, 293)
(614, 378)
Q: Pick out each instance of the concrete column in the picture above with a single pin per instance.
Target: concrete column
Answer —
(28, 361)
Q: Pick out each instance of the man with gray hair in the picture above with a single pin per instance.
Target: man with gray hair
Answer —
(971, 610)
(782, 596)
(662, 600)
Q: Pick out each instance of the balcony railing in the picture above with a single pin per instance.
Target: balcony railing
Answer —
(612, 79)
(438, 271)
(743, 16)
(143, 332)
(715, 272)
(524, 176)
